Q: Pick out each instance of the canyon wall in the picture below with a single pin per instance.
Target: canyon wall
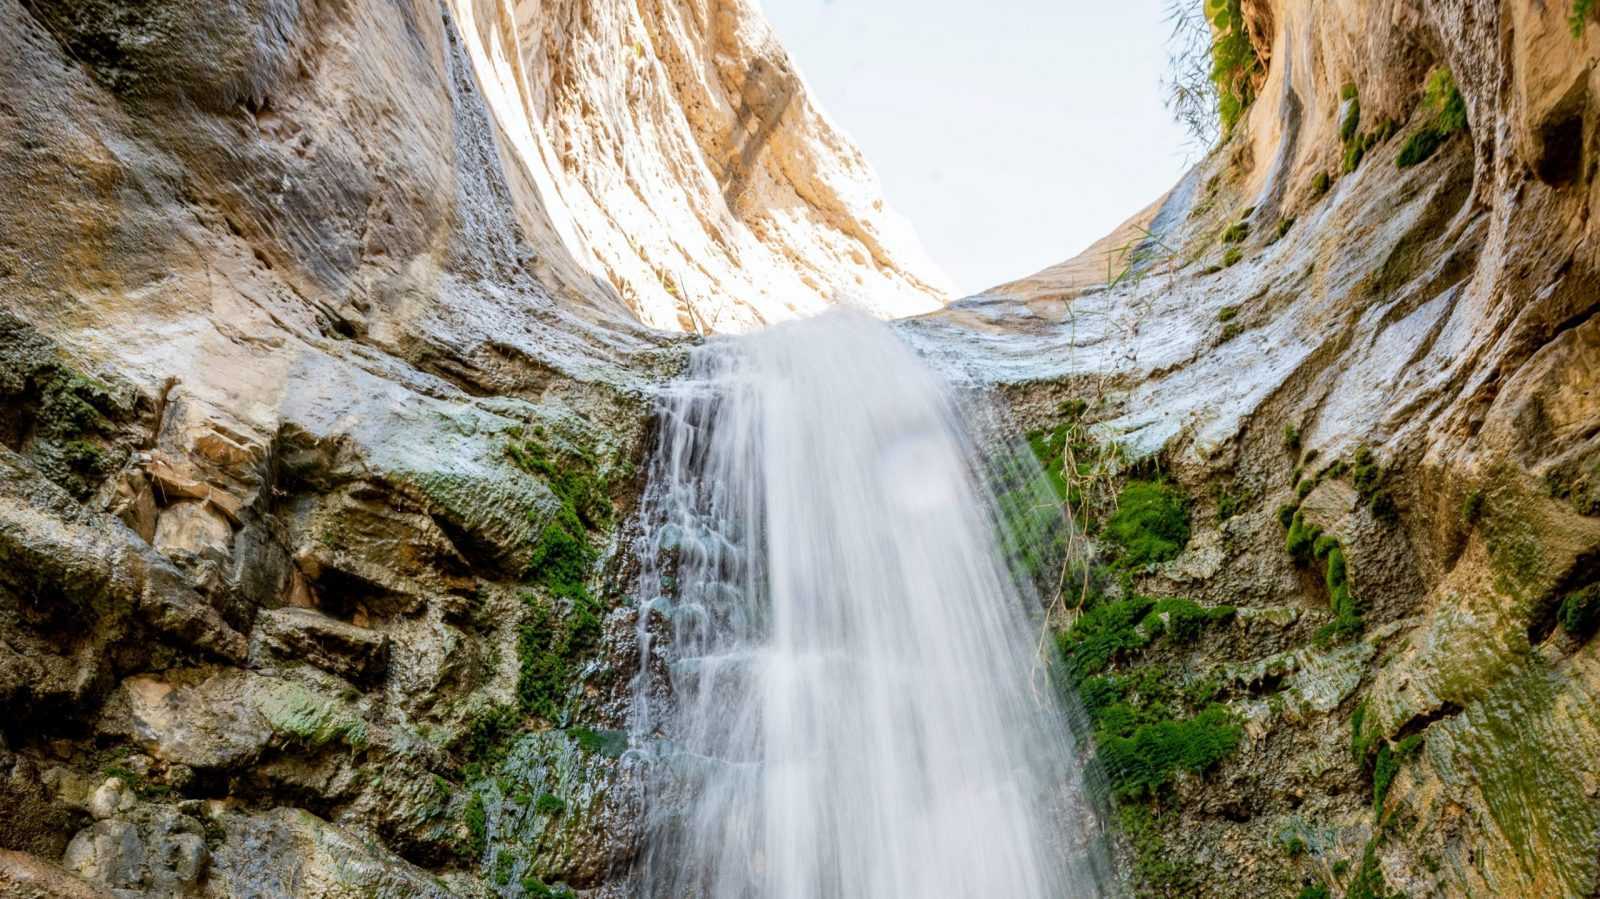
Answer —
(1361, 338)
(328, 333)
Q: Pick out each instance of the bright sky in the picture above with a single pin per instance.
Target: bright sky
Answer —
(1012, 133)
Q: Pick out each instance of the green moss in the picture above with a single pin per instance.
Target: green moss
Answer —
(551, 649)
(1147, 759)
(1320, 184)
(1370, 481)
(1286, 513)
(1284, 224)
(476, 819)
(1227, 313)
(1300, 541)
(1362, 736)
(1101, 634)
(1351, 123)
(1151, 524)
(563, 557)
(1472, 507)
(549, 805)
(484, 742)
(1578, 18)
(1354, 152)
(534, 888)
(1446, 113)
(1313, 891)
(1291, 438)
(1579, 612)
(1184, 620)
(504, 862)
(1232, 256)
(1236, 232)
(609, 743)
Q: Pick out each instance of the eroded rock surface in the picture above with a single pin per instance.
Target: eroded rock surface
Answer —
(1331, 342)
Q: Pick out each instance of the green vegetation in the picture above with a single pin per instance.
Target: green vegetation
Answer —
(1232, 256)
(503, 864)
(1284, 224)
(549, 805)
(1236, 232)
(1313, 891)
(1140, 763)
(1447, 115)
(1291, 438)
(1184, 620)
(551, 649)
(477, 821)
(1579, 17)
(1227, 313)
(483, 744)
(609, 743)
(1579, 612)
(1472, 507)
(562, 558)
(1351, 123)
(1320, 184)
(534, 888)
(1369, 479)
(1387, 765)
(1151, 524)
(1234, 65)
(1306, 543)
(552, 642)
(1101, 634)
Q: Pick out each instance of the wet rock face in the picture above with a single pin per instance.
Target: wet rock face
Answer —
(280, 295)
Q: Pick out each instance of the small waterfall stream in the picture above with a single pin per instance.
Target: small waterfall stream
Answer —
(841, 686)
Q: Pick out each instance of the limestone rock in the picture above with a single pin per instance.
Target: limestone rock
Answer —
(356, 653)
(24, 876)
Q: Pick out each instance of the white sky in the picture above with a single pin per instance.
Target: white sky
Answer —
(1012, 133)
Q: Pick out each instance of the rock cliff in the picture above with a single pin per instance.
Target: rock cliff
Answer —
(327, 333)
(1361, 340)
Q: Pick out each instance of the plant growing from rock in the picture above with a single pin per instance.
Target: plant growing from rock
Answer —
(1446, 114)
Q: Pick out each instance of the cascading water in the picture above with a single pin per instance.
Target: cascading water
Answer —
(841, 686)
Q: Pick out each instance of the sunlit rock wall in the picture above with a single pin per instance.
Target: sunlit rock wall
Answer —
(1443, 316)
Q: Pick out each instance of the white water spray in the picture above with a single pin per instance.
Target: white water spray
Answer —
(841, 678)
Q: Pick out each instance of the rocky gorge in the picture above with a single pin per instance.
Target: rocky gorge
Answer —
(332, 331)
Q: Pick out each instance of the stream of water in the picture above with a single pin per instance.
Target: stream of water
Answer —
(840, 676)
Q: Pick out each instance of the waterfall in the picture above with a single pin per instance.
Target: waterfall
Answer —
(841, 687)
